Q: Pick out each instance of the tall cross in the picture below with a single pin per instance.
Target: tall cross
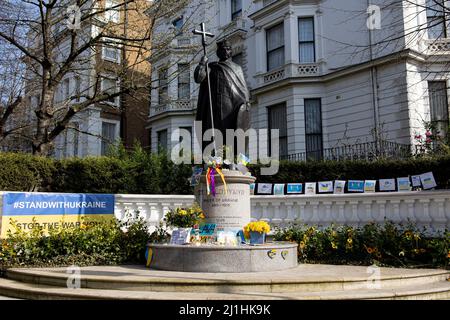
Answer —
(204, 34)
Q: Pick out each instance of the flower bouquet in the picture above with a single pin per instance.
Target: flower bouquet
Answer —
(256, 231)
(184, 217)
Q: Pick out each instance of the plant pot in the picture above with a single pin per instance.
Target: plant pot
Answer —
(257, 237)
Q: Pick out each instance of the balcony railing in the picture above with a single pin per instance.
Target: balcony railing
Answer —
(368, 151)
(289, 71)
(438, 46)
(172, 106)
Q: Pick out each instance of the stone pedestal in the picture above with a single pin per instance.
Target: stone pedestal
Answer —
(273, 256)
(230, 211)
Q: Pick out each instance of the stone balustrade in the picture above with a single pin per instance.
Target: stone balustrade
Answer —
(430, 209)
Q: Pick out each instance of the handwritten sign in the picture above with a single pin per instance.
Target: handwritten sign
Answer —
(180, 236)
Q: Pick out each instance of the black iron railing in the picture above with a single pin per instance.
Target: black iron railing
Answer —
(361, 151)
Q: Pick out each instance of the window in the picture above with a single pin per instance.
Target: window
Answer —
(237, 58)
(437, 91)
(108, 136)
(178, 24)
(77, 88)
(436, 25)
(236, 9)
(110, 85)
(76, 138)
(111, 51)
(112, 15)
(313, 129)
(162, 87)
(184, 86)
(162, 139)
(278, 120)
(306, 40)
(275, 46)
(66, 89)
(192, 140)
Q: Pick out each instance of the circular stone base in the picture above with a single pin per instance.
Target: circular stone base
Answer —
(272, 256)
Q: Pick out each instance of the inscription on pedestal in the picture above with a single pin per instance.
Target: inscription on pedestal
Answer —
(230, 210)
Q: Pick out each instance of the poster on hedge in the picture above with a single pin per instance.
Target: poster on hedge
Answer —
(264, 188)
(339, 186)
(369, 185)
(278, 189)
(403, 184)
(356, 186)
(325, 186)
(294, 188)
(415, 181)
(54, 210)
(428, 181)
(387, 184)
(310, 188)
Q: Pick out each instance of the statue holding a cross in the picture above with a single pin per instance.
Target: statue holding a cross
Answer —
(223, 100)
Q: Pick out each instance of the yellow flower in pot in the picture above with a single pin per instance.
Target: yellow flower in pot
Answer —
(256, 231)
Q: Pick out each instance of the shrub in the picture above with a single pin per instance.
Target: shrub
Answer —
(24, 172)
(106, 243)
(138, 172)
(389, 245)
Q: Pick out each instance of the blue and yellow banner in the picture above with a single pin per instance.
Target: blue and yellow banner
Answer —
(47, 211)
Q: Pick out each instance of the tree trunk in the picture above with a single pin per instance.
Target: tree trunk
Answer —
(42, 145)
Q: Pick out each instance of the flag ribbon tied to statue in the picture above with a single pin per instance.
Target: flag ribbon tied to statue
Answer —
(210, 183)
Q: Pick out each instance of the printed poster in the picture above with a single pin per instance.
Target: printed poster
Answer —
(339, 186)
(387, 184)
(356, 186)
(369, 185)
(293, 188)
(415, 181)
(278, 189)
(310, 188)
(403, 184)
(264, 188)
(325, 186)
(428, 181)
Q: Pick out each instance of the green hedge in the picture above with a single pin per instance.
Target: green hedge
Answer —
(358, 170)
(137, 172)
(144, 173)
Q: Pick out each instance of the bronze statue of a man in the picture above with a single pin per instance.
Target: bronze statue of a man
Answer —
(229, 93)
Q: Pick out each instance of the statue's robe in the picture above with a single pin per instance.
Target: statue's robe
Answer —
(229, 95)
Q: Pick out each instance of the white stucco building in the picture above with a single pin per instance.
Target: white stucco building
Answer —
(326, 73)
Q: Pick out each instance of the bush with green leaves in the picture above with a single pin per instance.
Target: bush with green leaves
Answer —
(385, 244)
(93, 243)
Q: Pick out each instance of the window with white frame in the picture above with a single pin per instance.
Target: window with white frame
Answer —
(111, 51)
(313, 129)
(112, 13)
(236, 9)
(184, 85)
(178, 24)
(162, 139)
(108, 136)
(275, 46)
(306, 40)
(110, 85)
(436, 24)
(77, 88)
(66, 89)
(278, 120)
(437, 92)
(76, 138)
(162, 86)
